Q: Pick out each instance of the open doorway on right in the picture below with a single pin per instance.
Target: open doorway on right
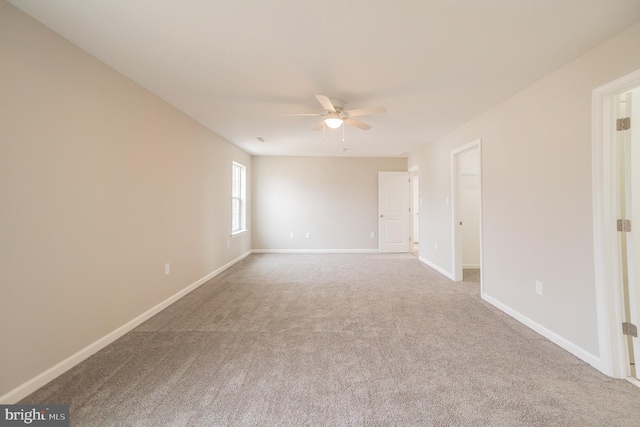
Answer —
(416, 201)
(467, 194)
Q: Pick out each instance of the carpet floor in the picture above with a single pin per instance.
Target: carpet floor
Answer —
(337, 340)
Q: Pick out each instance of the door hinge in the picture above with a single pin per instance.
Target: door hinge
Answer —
(624, 225)
(630, 329)
(623, 123)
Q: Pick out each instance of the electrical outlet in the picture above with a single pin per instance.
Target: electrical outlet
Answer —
(373, 235)
(167, 268)
(308, 234)
(538, 287)
(435, 246)
(292, 235)
(228, 244)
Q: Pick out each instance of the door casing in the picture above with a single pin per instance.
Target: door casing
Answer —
(613, 347)
(455, 231)
(415, 212)
(394, 223)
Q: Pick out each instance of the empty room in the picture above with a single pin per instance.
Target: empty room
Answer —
(319, 213)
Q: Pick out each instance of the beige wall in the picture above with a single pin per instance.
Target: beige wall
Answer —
(334, 199)
(101, 184)
(537, 194)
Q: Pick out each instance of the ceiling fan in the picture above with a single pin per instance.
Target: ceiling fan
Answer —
(335, 114)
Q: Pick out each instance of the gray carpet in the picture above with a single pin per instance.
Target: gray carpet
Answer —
(336, 340)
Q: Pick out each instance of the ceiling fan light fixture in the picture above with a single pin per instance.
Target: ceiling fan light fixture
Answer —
(333, 122)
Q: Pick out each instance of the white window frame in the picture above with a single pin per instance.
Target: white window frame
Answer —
(238, 198)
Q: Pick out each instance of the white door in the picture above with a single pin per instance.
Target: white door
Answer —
(393, 210)
(629, 149)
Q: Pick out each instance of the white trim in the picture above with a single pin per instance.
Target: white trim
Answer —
(313, 251)
(456, 251)
(405, 215)
(470, 266)
(572, 348)
(43, 378)
(633, 381)
(607, 266)
(437, 268)
(242, 197)
(414, 212)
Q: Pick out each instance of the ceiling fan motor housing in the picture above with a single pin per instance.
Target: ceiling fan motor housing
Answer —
(338, 104)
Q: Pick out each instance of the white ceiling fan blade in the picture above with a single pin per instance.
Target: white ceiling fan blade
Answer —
(318, 126)
(365, 111)
(356, 123)
(326, 103)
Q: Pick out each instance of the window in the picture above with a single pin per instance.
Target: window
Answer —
(238, 198)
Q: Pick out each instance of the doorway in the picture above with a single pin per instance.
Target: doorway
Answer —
(628, 147)
(393, 209)
(415, 211)
(616, 165)
(467, 212)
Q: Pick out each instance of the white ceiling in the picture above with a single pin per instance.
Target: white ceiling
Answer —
(237, 65)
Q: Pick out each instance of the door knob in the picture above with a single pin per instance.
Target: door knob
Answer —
(381, 216)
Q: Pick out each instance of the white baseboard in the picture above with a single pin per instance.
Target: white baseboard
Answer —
(437, 268)
(633, 381)
(470, 266)
(313, 251)
(572, 348)
(43, 378)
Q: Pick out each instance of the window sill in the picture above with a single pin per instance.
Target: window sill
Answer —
(239, 232)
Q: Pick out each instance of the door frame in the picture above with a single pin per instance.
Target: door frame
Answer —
(457, 245)
(614, 354)
(414, 174)
(406, 212)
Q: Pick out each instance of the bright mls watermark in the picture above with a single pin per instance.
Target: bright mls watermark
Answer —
(34, 415)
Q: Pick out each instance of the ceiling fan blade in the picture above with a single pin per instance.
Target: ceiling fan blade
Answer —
(318, 126)
(326, 103)
(365, 111)
(356, 123)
